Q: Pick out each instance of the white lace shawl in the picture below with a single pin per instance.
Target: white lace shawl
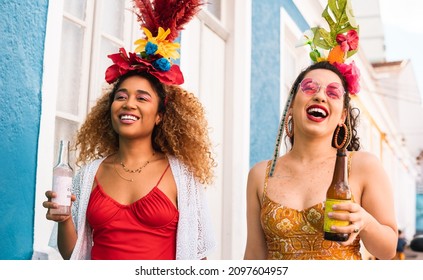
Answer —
(194, 239)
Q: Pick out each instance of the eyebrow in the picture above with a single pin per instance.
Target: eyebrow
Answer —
(139, 91)
(334, 84)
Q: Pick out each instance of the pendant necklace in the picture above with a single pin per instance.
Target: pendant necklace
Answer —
(126, 179)
(138, 170)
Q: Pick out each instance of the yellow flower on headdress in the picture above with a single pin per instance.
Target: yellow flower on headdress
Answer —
(157, 45)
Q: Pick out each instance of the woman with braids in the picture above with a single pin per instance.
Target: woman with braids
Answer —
(146, 157)
(286, 195)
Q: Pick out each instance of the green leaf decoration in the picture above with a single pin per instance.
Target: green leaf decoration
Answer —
(350, 14)
(314, 55)
(351, 53)
(340, 18)
(322, 38)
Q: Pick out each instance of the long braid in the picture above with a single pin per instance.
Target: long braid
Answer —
(280, 133)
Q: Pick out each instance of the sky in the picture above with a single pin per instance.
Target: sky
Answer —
(403, 25)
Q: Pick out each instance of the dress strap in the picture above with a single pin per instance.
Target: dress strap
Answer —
(161, 177)
(95, 183)
(266, 179)
(350, 155)
(349, 162)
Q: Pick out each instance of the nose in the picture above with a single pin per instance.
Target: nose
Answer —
(130, 103)
(320, 95)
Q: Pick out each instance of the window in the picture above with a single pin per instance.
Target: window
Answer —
(90, 31)
(214, 7)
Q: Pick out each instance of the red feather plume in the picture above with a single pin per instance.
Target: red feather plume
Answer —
(172, 14)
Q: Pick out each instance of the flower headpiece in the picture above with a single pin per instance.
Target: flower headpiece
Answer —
(161, 21)
(334, 46)
(339, 43)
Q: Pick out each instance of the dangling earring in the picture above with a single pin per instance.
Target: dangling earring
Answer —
(339, 146)
(289, 126)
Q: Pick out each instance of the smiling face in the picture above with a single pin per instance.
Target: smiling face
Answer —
(318, 106)
(134, 109)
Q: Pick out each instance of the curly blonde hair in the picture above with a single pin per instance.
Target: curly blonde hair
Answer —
(183, 131)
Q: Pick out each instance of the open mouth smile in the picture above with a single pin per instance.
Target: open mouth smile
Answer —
(127, 118)
(317, 113)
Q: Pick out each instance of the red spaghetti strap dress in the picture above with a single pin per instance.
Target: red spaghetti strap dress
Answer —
(143, 230)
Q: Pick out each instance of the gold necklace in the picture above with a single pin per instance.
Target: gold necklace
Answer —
(126, 179)
(139, 169)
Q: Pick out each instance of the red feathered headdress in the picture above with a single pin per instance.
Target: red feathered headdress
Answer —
(161, 21)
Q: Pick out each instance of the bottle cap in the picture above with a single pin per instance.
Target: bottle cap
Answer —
(341, 152)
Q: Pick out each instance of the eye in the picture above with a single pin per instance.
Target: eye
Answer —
(334, 91)
(308, 86)
(120, 95)
(143, 97)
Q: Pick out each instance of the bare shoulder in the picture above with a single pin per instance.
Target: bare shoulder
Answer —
(365, 160)
(257, 175)
(367, 175)
(258, 170)
(107, 163)
(368, 167)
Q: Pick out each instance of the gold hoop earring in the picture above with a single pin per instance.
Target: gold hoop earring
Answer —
(339, 146)
(289, 122)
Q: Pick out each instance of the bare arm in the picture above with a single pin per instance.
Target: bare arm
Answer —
(66, 235)
(66, 238)
(256, 245)
(379, 232)
(374, 215)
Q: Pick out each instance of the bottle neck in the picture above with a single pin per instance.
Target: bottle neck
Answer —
(63, 153)
(341, 167)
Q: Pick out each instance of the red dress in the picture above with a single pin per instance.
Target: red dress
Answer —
(142, 230)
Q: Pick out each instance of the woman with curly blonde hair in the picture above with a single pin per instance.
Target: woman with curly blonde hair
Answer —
(182, 133)
(146, 156)
(145, 148)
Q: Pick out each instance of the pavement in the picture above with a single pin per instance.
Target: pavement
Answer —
(412, 255)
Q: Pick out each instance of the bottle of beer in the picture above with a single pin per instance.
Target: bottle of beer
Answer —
(338, 192)
(62, 181)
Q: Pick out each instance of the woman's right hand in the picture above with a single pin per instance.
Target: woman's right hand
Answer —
(51, 205)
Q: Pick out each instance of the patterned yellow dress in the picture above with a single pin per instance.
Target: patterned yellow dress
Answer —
(298, 234)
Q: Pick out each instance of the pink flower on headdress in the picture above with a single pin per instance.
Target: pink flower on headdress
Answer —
(348, 42)
(351, 74)
(124, 63)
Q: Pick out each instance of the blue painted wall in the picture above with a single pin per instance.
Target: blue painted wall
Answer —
(265, 74)
(22, 29)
